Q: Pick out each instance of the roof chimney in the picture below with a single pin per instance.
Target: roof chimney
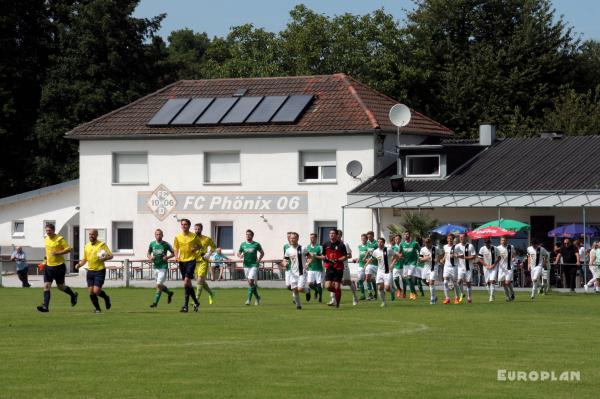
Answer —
(487, 134)
(552, 135)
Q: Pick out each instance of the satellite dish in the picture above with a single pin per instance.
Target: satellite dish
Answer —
(400, 115)
(354, 168)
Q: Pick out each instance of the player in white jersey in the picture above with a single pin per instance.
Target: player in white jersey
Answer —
(506, 267)
(430, 256)
(537, 257)
(295, 258)
(466, 262)
(347, 278)
(489, 258)
(286, 272)
(595, 268)
(384, 256)
(450, 269)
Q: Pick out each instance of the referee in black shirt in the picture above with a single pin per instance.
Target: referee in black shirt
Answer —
(569, 255)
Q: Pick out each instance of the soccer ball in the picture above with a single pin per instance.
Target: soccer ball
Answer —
(101, 254)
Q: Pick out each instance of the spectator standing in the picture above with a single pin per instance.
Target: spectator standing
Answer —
(20, 259)
(569, 255)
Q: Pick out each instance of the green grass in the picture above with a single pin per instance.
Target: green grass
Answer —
(229, 350)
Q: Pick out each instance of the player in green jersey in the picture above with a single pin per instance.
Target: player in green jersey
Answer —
(398, 273)
(252, 253)
(315, 268)
(363, 253)
(158, 254)
(371, 285)
(410, 255)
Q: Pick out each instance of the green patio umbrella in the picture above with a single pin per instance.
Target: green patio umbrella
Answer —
(507, 224)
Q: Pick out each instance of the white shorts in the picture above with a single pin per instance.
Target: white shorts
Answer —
(409, 270)
(385, 278)
(545, 274)
(490, 274)
(361, 273)
(505, 275)
(297, 280)
(596, 272)
(314, 277)
(450, 272)
(161, 275)
(536, 273)
(287, 277)
(397, 273)
(418, 272)
(465, 275)
(371, 270)
(252, 272)
(347, 276)
(430, 275)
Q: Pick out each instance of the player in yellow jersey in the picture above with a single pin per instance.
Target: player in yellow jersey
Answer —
(202, 257)
(186, 245)
(95, 253)
(56, 248)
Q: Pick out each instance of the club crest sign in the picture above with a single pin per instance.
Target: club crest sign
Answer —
(162, 202)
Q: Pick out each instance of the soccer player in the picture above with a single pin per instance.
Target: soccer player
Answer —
(371, 285)
(314, 264)
(335, 254)
(207, 247)
(538, 259)
(595, 268)
(95, 253)
(363, 252)
(56, 247)
(450, 269)
(347, 278)
(385, 257)
(398, 273)
(295, 257)
(248, 252)
(466, 258)
(186, 245)
(489, 258)
(506, 266)
(430, 256)
(286, 272)
(410, 254)
(158, 254)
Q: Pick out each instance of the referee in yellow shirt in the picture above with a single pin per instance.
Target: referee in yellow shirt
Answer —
(95, 253)
(202, 257)
(186, 245)
(55, 270)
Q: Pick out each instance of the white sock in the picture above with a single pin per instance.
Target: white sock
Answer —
(353, 289)
(446, 289)
(534, 288)
(456, 290)
(591, 282)
(492, 290)
(382, 295)
(432, 290)
(469, 291)
(297, 299)
(460, 289)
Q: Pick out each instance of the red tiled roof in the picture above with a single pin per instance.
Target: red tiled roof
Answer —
(341, 105)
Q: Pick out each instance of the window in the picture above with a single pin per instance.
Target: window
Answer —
(18, 228)
(317, 166)
(322, 230)
(46, 222)
(122, 236)
(222, 168)
(130, 168)
(223, 235)
(422, 165)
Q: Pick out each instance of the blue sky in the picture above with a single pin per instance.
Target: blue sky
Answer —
(216, 17)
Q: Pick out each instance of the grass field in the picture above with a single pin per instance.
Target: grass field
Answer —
(228, 350)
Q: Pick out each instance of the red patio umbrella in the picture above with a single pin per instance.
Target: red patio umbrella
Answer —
(490, 231)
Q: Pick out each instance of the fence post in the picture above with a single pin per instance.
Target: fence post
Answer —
(126, 272)
(1, 272)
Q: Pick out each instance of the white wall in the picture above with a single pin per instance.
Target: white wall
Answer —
(267, 164)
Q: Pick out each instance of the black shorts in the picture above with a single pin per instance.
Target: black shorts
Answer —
(95, 278)
(336, 275)
(187, 269)
(55, 273)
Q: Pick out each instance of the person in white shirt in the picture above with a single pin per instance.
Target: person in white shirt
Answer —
(537, 261)
(466, 262)
(430, 256)
(347, 279)
(489, 258)
(384, 257)
(506, 266)
(295, 258)
(450, 269)
(595, 268)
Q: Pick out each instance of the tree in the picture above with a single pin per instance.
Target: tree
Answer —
(575, 114)
(419, 225)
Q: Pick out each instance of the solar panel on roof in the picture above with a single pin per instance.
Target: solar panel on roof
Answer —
(168, 111)
(292, 109)
(191, 112)
(217, 110)
(241, 110)
(266, 109)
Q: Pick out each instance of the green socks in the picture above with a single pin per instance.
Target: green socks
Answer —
(420, 284)
(361, 286)
(157, 297)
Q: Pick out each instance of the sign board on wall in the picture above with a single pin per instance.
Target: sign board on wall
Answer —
(162, 202)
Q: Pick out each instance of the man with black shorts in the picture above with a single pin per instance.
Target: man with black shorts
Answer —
(186, 244)
(55, 270)
(334, 252)
(95, 253)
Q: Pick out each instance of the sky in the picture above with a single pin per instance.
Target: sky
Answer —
(216, 17)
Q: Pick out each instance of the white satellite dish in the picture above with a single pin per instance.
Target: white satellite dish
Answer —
(400, 115)
(354, 168)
